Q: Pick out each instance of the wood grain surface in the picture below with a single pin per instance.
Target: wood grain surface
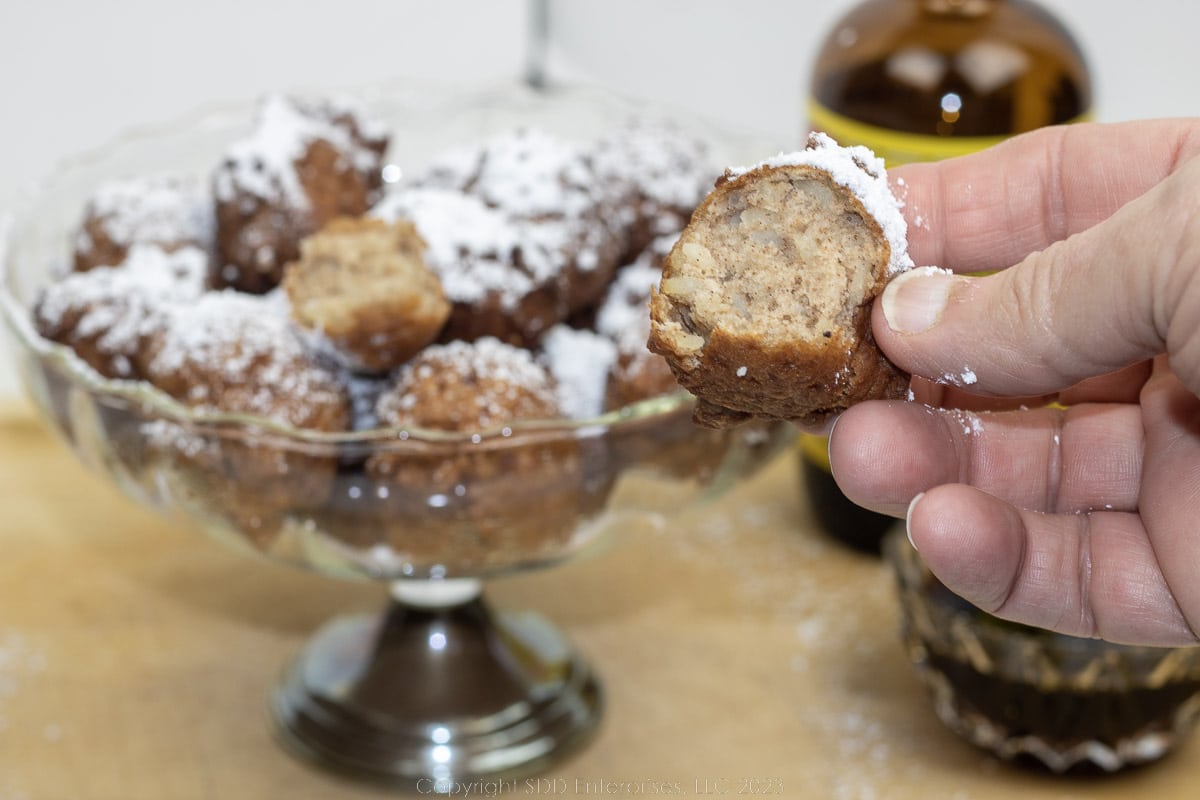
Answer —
(741, 654)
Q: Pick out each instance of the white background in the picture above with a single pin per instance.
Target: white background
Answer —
(73, 74)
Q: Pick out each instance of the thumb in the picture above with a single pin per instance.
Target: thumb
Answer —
(1125, 290)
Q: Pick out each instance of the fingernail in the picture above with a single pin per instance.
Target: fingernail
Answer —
(914, 300)
(908, 519)
(829, 445)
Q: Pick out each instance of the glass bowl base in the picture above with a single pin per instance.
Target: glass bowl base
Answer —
(434, 697)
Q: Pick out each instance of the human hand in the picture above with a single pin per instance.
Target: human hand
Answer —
(1084, 520)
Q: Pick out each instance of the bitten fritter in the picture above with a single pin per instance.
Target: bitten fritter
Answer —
(764, 305)
(362, 286)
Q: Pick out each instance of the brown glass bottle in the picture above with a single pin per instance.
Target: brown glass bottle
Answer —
(922, 80)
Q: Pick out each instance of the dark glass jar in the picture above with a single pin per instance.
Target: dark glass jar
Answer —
(1068, 703)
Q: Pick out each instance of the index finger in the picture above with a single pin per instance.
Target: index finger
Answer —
(991, 209)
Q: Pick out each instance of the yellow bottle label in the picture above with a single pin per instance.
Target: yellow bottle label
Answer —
(815, 450)
(897, 147)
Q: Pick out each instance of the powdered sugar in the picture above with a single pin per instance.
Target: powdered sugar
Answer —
(966, 377)
(199, 333)
(580, 361)
(470, 246)
(493, 358)
(969, 421)
(161, 209)
(239, 352)
(147, 275)
(926, 271)
(21, 659)
(623, 315)
(119, 306)
(264, 164)
(660, 163)
(504, 218)
(364, 392)
(496, 369)
(546, 191)
(531, 173)
(860, 171)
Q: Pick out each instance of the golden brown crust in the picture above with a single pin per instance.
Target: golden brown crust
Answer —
(772, 320)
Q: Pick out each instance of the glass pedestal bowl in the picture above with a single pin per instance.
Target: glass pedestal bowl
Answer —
(436, 688)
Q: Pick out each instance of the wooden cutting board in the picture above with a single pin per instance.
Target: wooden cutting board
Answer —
(741, 654)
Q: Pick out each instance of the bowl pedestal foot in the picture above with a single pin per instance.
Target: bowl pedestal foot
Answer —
(437, 690)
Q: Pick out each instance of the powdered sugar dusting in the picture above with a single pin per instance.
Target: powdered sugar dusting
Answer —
(470, 246)
(147, 276)
(264, 163)
(498, 371)
(21, 659)
(119, 306)
(239, 352)
(364, 393)
(661, 164)
(531, 173)
(969, 421)
(161, 209)
(870, 743)
(580, 361)
(860, 171)
(926, 271)
(506, 217)
(199, 332)
(492, 357)
(546, 188)
(966, 377)
(623, 315)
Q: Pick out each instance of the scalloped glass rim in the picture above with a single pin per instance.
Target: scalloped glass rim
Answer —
(509, 97)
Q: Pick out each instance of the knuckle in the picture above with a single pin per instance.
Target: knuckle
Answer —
(1176, 271)
(1034, 298)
